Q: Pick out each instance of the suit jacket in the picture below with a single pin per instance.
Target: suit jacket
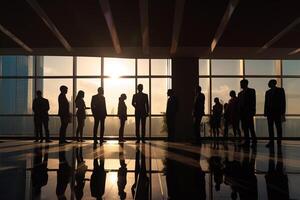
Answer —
(140, 103)
(63, 109)
(98, 106)
(275, 104)
(172, 107)
(199, 105)
(247, 102)
(40, 107)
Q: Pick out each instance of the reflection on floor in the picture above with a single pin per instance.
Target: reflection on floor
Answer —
(155, 170)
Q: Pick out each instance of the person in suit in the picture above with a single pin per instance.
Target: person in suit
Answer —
(80, 174)
(233, 114)
(40, 107)
(98, 178)
(64, 113)
(141, 105)
(122, 114)
(198, 112)
(275, 106)
(247, 110)
(81, 114)
(171, 111)
(216, 117)
(98, 106)
(226, 120)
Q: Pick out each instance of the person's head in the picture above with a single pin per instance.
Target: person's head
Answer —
(198, 90)
(123, 97)
(63, 89)
(272, 83)
(244, 83)
(232, 93)
(216, 100)
(39, 93)
(140, 87)
(100, 91)
(170, 92)
(80, 95)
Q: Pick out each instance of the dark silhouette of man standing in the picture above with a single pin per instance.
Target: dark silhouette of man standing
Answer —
(98, 179)
(141, 105)
(198, 112)
(40, 107)
(64, 114)
(171, 111)
(98, 106)
(247, 110)
(275, 106)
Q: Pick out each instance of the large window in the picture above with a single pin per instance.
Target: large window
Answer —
(21, 76)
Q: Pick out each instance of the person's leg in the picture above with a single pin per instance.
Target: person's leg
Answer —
(102, 129)
(271, 129)
(96, 124)
(143, 120)
(61, 130)
(137, 127)
(81, 130)
(245, 127)
(121, 130)
(78, 128)
(36, 132)
(65, 126)
(46, 127)
(278, 124)
(226, 128)
(252, 129)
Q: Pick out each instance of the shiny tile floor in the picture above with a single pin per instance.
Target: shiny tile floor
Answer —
(156, 170)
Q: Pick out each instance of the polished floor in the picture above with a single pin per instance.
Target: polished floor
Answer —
(155, 170)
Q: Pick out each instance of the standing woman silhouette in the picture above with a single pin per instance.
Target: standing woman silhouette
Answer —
(81, 114)
(122, 114)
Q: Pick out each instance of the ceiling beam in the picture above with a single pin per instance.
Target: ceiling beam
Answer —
(178, 17)
(15, 38)
(279, 35)
(144, 14)
(111, 25)
(226, 18)
(42, 14)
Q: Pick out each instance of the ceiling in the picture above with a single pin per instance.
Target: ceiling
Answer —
(254, 29)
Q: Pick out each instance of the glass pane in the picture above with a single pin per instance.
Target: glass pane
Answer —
(261, 86)
(204, 83)
(115, 67)
(222, 86)
(291, 67)
(158, 127)
(50, 89)
(292, 92)
(203, 67)
(16, 65)
(143, 67)
(160, 67)
(113, 88)
(226, 67)
(291, 127)
(159, 88)
(24, 126)
(88, 66)
(90, 87)
(54, 126)
(261, 67)
(16, 96)
(112, 125)
(56, 66)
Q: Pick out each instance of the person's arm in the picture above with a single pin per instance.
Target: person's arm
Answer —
(105, 111)
(93, 105)
(147, 105)
(33, 106)
(283, 102)
(253, 103)
(47, 105)
(133, 103)
(266, 104)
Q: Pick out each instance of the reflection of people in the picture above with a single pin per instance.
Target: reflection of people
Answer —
(171, 114)
(40, 107)
(122, 114)
(81, 114)
(141, 105)
(198, 112)
(98, 179)
(122, 174)
(216, 117)
(216, 168)
(40, 171)
(98, 106)
(247, 110)
(63, 175)
(276, 180)
(79, 174)
(275, 107)
(233, 114)
(64, 113)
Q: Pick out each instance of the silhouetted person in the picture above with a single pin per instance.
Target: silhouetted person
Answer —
(198, 112)
(122, 114)
(137, 169)
(40, 107)
(233, 113)
(247, 110)
(98, 179)
(81, 114)
(226, 120)
(63, 175)
(141, 105)
(64, 113)
(216, 117)
(276, 179)
(275, 106)
(40, 171)
(171, 112)
(143, 184)
(216, 168)
(79, 174)
(98, 106)
(122, 174)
